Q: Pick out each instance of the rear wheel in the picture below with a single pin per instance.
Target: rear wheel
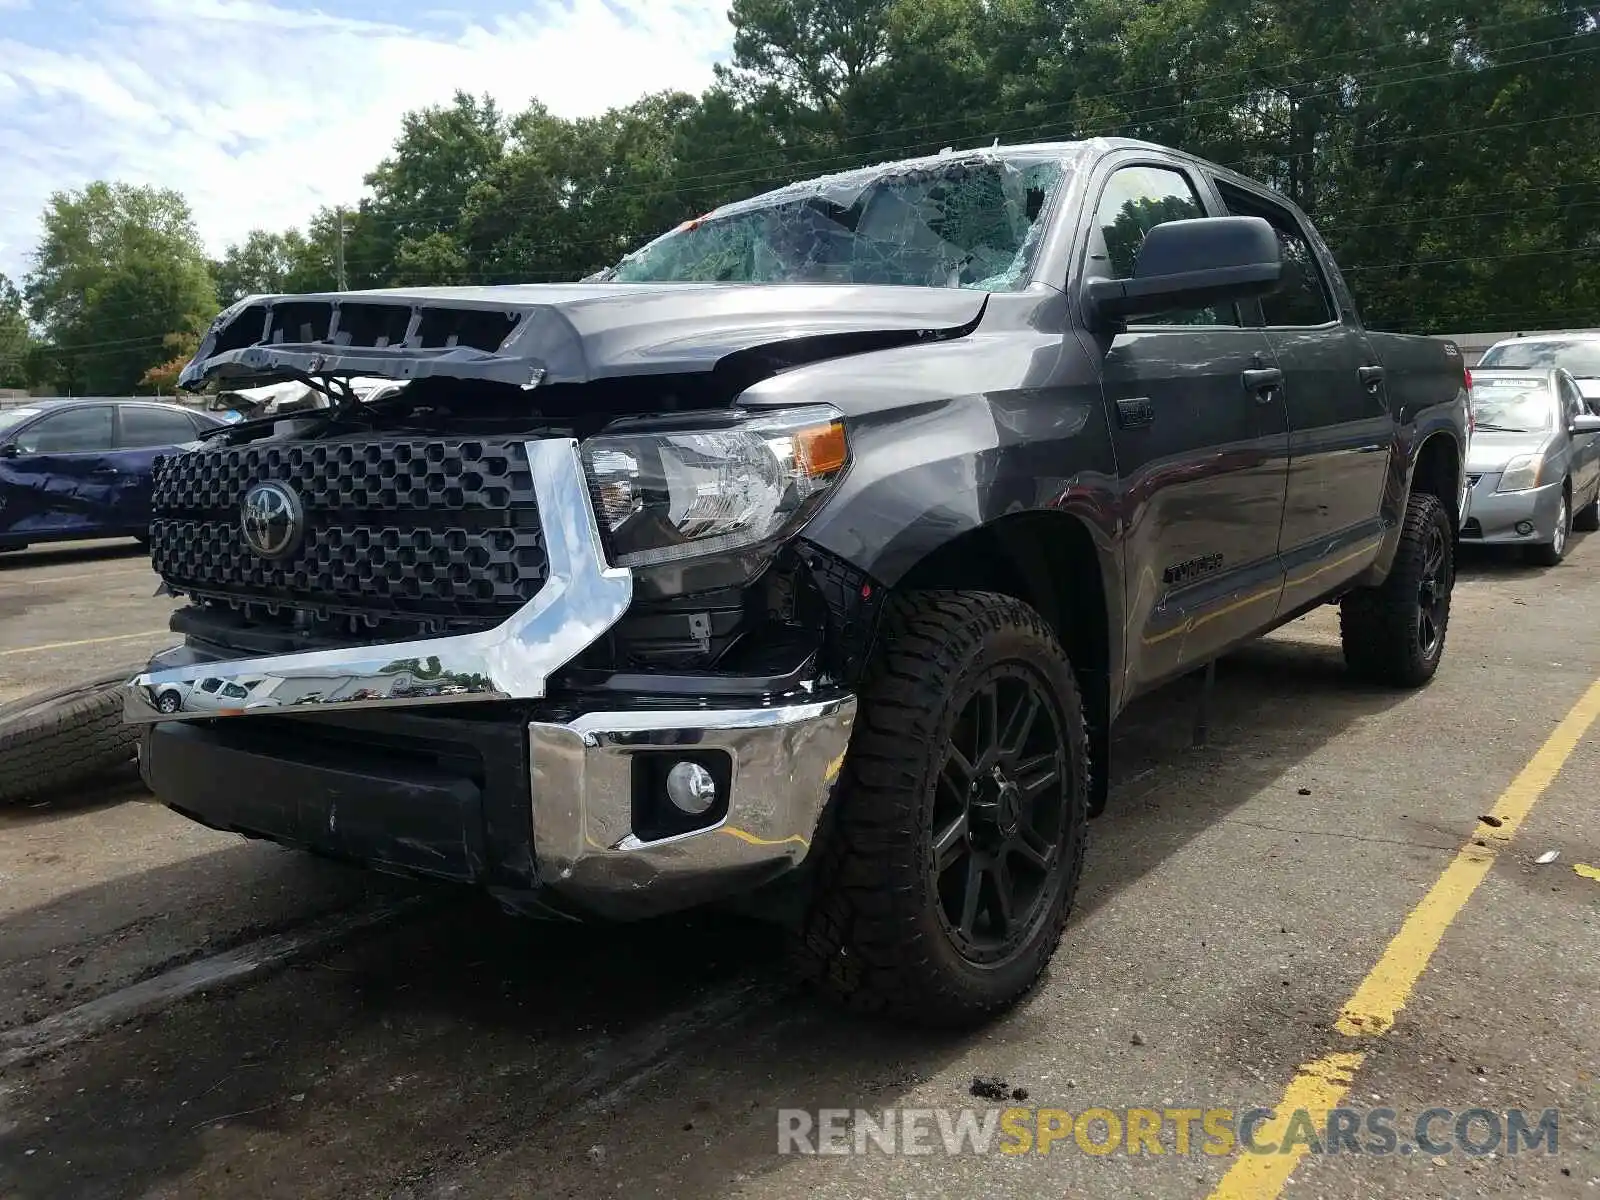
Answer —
(1394, 634)
(948, 868)
(1552, 552)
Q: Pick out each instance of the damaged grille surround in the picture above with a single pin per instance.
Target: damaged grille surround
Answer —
(580, 597)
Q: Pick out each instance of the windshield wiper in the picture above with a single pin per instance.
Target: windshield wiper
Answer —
(1499, 428)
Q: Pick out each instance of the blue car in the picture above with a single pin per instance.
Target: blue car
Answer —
(72, 469)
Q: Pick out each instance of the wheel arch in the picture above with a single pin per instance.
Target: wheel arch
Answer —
(1436, 467)
(1439, 471)
(1052, 561)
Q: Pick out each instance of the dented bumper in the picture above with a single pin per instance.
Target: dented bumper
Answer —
(575, 810)
(384, 755)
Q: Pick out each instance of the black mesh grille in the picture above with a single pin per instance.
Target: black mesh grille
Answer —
(393, 527)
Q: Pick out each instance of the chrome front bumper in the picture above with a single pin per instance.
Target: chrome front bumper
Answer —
(782, 764)
(581, 599)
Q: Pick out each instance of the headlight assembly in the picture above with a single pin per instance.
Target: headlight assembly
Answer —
(1521, 473)
(671, 495)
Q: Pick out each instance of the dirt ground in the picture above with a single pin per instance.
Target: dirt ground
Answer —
(258, 1023)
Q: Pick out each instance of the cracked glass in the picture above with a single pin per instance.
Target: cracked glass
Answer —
(956, 222)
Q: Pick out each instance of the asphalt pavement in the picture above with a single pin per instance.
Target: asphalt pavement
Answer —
(1306, 913)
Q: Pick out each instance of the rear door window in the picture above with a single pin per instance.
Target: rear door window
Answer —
(1304, 299)
(142, 426)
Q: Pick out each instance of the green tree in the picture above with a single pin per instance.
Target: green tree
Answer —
(16, 340)
(119, 269)
(260, 265)
(409, 224)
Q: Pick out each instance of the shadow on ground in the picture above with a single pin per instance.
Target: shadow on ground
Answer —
(468, 1053)
(63, 554)
(113, 786)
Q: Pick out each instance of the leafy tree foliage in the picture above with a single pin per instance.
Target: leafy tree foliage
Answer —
(119, 268)
(16, 341)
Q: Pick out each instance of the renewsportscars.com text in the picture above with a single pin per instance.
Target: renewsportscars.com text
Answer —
(1182, 1131)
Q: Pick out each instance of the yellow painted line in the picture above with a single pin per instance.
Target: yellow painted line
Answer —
(1318, 1086)
(99, 641)
(1587, 871)
(1323, 1083)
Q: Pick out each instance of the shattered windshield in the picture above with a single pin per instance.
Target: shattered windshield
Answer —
(959, 223)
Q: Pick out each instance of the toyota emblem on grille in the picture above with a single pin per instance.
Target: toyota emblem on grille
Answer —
(272, 520)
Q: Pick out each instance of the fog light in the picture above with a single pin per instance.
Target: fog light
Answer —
(691, 788)
(1524, 527)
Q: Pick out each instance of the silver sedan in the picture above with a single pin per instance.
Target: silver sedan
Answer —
(1534, 465)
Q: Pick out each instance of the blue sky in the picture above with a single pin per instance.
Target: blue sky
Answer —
(260, 110)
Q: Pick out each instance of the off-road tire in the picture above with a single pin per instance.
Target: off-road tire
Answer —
(1379, 625)
(1550, 554)
(51, 740)
(1587, 519)
(873, 935)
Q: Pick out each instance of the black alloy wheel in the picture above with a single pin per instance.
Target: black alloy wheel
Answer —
(1000, 813)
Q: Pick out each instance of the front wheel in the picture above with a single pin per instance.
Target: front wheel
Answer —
(947, 870)
(1549, 554)
(1394, 634)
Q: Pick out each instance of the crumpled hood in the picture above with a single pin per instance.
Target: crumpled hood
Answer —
(562, 333)
(1492, 451)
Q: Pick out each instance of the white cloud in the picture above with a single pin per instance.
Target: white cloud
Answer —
(259, 113)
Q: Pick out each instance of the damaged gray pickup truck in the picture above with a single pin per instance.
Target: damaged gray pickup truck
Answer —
(803, 559)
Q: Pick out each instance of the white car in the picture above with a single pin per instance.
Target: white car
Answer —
(1578, 354)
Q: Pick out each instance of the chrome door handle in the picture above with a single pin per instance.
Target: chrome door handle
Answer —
(1263, 382)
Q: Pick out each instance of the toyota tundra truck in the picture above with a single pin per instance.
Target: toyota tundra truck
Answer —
(803, 559)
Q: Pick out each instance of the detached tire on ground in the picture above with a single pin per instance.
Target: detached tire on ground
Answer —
(949, 864)
(54, 739)
(1395, 634)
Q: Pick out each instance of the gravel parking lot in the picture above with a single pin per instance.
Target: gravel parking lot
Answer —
(1254, 912)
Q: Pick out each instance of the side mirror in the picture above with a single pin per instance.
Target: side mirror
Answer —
(1584, 423)
(1192, 264)
(9, 450)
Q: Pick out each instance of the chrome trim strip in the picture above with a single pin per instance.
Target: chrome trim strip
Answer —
(582, 598)
(786, 761)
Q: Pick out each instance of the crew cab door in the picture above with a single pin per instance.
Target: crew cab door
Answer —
(56, 477)
(1341, 431)
(1197, 416)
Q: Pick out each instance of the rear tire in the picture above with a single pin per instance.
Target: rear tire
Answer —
(51, 740)
(966, 777)
(1550, 553)
(1394, 634)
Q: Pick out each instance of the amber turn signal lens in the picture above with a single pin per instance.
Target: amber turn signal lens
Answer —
(821, 450)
